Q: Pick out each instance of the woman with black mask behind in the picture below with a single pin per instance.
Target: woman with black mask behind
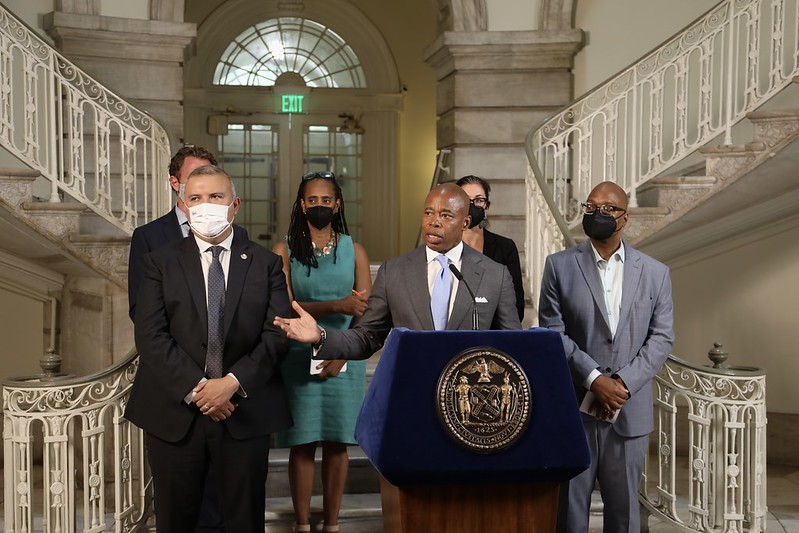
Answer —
(328, 274)
(501, 249)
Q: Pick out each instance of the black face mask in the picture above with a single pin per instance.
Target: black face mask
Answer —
(478, 214)
(319, 216)
(598, 226)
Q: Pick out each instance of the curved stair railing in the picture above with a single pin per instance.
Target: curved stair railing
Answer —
(641, 122)
(709, 471)
(93, 476)
(87, 141)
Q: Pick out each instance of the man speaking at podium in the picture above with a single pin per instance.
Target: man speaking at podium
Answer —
(421, 290)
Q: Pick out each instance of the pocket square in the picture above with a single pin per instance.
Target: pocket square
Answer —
(480, 300)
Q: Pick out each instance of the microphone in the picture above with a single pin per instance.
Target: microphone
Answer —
(459, 277)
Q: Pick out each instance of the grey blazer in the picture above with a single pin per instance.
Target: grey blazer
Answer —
(572, 303)
(400, 298)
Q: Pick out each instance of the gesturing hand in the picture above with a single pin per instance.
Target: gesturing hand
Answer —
(302, 329)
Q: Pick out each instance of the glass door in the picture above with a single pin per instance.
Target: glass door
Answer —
(267, 155)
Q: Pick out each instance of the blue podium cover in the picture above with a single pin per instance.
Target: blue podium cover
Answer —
(400, 430)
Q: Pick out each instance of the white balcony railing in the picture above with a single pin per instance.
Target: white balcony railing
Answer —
(713, 419)
(87, 141)
(71, 461)
(641, 122)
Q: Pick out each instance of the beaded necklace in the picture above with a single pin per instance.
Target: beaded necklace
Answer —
(328, 248)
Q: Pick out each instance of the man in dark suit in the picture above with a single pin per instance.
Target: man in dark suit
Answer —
(403, 292)
(612, 304)
(208, 388)
(171, 227)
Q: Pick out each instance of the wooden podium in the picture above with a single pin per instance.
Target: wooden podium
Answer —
(432, 483)
(532, 508)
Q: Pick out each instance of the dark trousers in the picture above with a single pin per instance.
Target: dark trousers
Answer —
(211, 520)
(180, 470)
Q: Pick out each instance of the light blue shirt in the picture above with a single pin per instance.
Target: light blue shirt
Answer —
(183, 221)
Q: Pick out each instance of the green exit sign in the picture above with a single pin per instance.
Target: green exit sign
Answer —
(291, 103)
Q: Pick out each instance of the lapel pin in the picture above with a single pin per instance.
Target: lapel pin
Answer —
(243, 256)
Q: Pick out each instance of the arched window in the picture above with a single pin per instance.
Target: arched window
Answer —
(261, 53)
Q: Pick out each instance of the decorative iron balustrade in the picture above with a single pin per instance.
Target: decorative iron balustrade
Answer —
(653, 114)
(723, 412)
(94, 475)
(87, 141)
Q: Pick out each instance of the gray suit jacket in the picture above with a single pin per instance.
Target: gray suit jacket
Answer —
(400, 298)
(572, 303)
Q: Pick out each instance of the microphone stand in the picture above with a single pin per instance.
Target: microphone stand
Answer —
(459, 277)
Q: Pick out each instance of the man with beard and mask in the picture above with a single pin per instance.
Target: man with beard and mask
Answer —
(501, 249)
(208, 390)
(328, 273)
(419, 291)
(612, 305)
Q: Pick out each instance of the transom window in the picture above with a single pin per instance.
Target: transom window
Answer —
(261, 53)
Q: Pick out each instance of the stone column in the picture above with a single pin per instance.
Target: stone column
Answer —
(140, 60)
(493, 89)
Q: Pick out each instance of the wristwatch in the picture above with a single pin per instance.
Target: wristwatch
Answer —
(322, 338)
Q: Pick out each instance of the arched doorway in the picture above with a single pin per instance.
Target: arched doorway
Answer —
(293, 93)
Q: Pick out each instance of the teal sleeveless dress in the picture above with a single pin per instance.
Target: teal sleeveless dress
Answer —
(323, 410)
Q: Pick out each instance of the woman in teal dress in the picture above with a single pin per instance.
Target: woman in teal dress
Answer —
(328, 274)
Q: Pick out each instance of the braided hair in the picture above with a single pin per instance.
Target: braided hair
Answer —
(298, 237)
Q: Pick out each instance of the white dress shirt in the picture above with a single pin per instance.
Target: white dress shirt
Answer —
(206, 257)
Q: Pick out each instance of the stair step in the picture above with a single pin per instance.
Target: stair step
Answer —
(361, 476)
(16, 185)
(674, 192)
(360, 513)
(93, 239)
(726, 162)
(774, 126)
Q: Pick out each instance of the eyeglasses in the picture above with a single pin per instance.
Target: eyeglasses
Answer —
(325, 175)
(590, 209)
(480, 202)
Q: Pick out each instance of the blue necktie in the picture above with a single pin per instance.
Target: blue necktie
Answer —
(439, 301)
(216, 315)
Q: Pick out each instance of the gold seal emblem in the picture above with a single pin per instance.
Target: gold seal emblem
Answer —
(484, 399)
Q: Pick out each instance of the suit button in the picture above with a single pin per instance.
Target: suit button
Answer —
(203, 345)
(610, 341)
(607, 371)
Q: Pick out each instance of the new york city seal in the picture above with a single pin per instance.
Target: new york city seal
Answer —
(483, 399)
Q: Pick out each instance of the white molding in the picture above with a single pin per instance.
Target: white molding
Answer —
(234, 16)
(28, 279)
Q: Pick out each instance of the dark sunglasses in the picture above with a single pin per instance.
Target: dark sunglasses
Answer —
(326, 175)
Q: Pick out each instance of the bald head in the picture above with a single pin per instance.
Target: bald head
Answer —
(445, 217)
(609, 189)
(454, 195)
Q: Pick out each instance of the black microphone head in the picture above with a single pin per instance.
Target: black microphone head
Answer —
(456, 272)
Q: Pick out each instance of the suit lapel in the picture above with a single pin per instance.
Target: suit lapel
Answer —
(629, 287)
(240, 261)
(190, 263)
(418, 291)
(473, 274)
(171, 227)
(587, 264)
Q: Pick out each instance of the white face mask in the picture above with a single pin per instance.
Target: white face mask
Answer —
(209, 220)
